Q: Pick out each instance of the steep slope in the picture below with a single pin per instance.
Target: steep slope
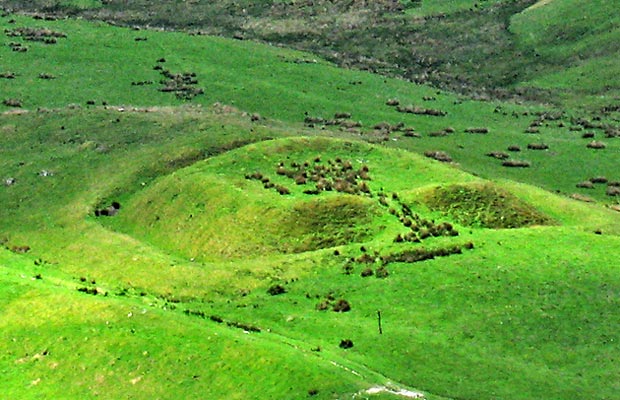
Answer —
(575, 43)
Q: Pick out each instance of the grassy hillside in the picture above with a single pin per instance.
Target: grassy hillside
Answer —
(432, 340)
(243, 74)
(60, 343)
(444, 43)
(190, 216)
(498, 49)
(576, 42)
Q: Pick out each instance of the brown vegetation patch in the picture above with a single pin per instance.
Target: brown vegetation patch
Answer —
(17, 103)
(612, 191)
(275, 290)
(341, 306)
(337, 175)
(183, 85)
(411, 109)
(612, 132)
(500, 155)
(19, 249)
(438, 155)
(108, 211)
(341, 119)
(43, 35)
(516, 164)
(538, 146)
(421, 254)
(581, 197)
(599, 179)
(595, 144)
(585, 185)
(482, 131)
(410, 132)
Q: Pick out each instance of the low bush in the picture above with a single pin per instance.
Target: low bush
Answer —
(382, 272)
(341, 306)
(595, 144)
(275, 290)
(438, 155)
(13, 103)
(516, 164)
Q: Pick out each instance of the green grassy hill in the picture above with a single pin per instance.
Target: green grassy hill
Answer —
(507, 306)
(60, 343)
(186, 216)
(577, 42)
(121, 72)
(559, 52)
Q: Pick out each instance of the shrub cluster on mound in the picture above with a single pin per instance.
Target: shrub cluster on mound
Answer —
(183, 85)
(201, 217)
(419, 228)
(484, 205)
(336, 175)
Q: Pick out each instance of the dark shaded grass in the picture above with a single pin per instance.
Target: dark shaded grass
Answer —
(484, 206)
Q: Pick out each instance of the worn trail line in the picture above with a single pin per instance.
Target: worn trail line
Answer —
(382, 383)
(539, 4)
(378, 382)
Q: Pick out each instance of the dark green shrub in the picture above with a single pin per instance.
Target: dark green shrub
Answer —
(275, 290)
(382, 272)
(341, 306)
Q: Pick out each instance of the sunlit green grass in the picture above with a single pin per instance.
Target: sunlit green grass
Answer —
(263, 79)
(527, 313)
(57, 342)
(464, 326)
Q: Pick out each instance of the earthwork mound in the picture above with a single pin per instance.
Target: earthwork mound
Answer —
(484, 205)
